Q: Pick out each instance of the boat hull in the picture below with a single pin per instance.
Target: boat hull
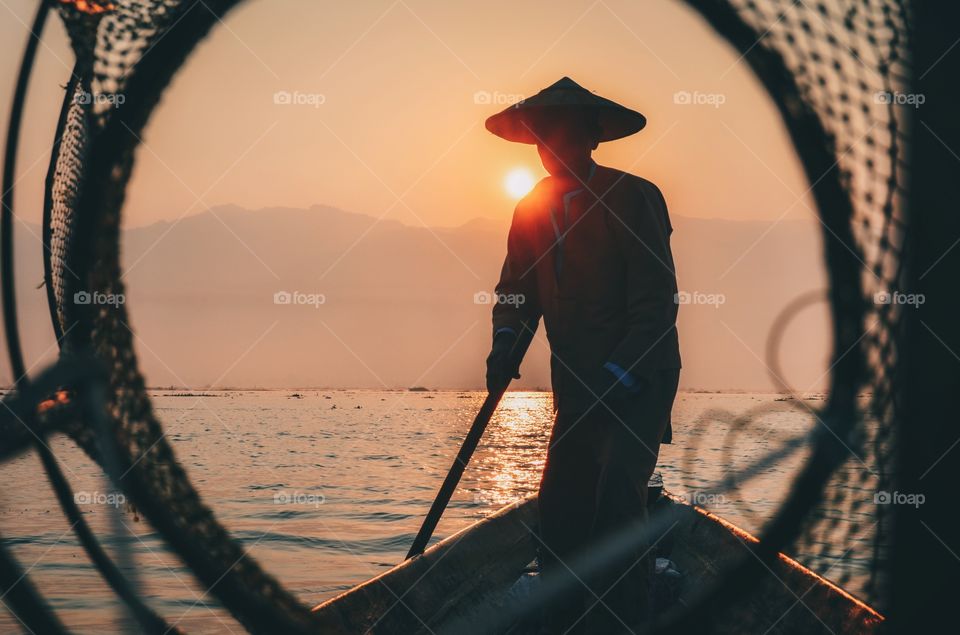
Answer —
(464, 577)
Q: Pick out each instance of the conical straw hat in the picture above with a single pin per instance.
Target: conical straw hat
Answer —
(519, 121)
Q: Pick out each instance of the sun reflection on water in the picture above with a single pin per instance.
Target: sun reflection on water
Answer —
(509, 461)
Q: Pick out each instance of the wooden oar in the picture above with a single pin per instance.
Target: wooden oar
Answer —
(456, 471)
(463, 456)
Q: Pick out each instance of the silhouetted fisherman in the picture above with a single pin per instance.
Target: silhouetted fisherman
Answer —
(589, 251)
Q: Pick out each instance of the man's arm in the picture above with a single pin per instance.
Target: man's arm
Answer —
(516, 307)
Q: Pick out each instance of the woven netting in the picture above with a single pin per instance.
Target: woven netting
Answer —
(126, 54)
(63, 191)
(108, 39)
(850, 64)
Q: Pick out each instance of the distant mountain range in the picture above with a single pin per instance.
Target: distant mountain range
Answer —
(371, 303)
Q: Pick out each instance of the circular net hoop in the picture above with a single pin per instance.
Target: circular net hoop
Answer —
(133, 48)
(835, 71)
(847, 66)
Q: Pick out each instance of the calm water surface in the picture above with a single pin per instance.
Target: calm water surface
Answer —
(328, 488)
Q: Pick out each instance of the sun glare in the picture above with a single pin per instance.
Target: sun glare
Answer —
(519, 182)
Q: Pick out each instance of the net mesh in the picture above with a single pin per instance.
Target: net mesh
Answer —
(132, 50)
(63, 192)
(850, 62)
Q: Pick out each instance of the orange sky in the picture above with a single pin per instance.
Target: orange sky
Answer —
(399, 132)
(389, 122)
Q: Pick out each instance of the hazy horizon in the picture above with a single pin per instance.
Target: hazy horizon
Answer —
(493, 220)
(397, 313)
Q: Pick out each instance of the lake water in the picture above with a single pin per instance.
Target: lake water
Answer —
(328, 488)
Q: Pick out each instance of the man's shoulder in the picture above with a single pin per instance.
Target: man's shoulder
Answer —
(638, 201)
(535, 199)
(625, 181)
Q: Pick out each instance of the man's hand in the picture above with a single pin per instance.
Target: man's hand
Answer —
(612, 386)
(503, 363)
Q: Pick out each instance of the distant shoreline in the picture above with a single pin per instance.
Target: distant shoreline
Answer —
(201, 391)
(210, 392)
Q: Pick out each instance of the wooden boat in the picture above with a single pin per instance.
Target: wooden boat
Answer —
(441, 590)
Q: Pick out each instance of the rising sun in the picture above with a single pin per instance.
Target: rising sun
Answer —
(518, 182)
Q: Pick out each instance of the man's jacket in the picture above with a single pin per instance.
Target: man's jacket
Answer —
(599, 270)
